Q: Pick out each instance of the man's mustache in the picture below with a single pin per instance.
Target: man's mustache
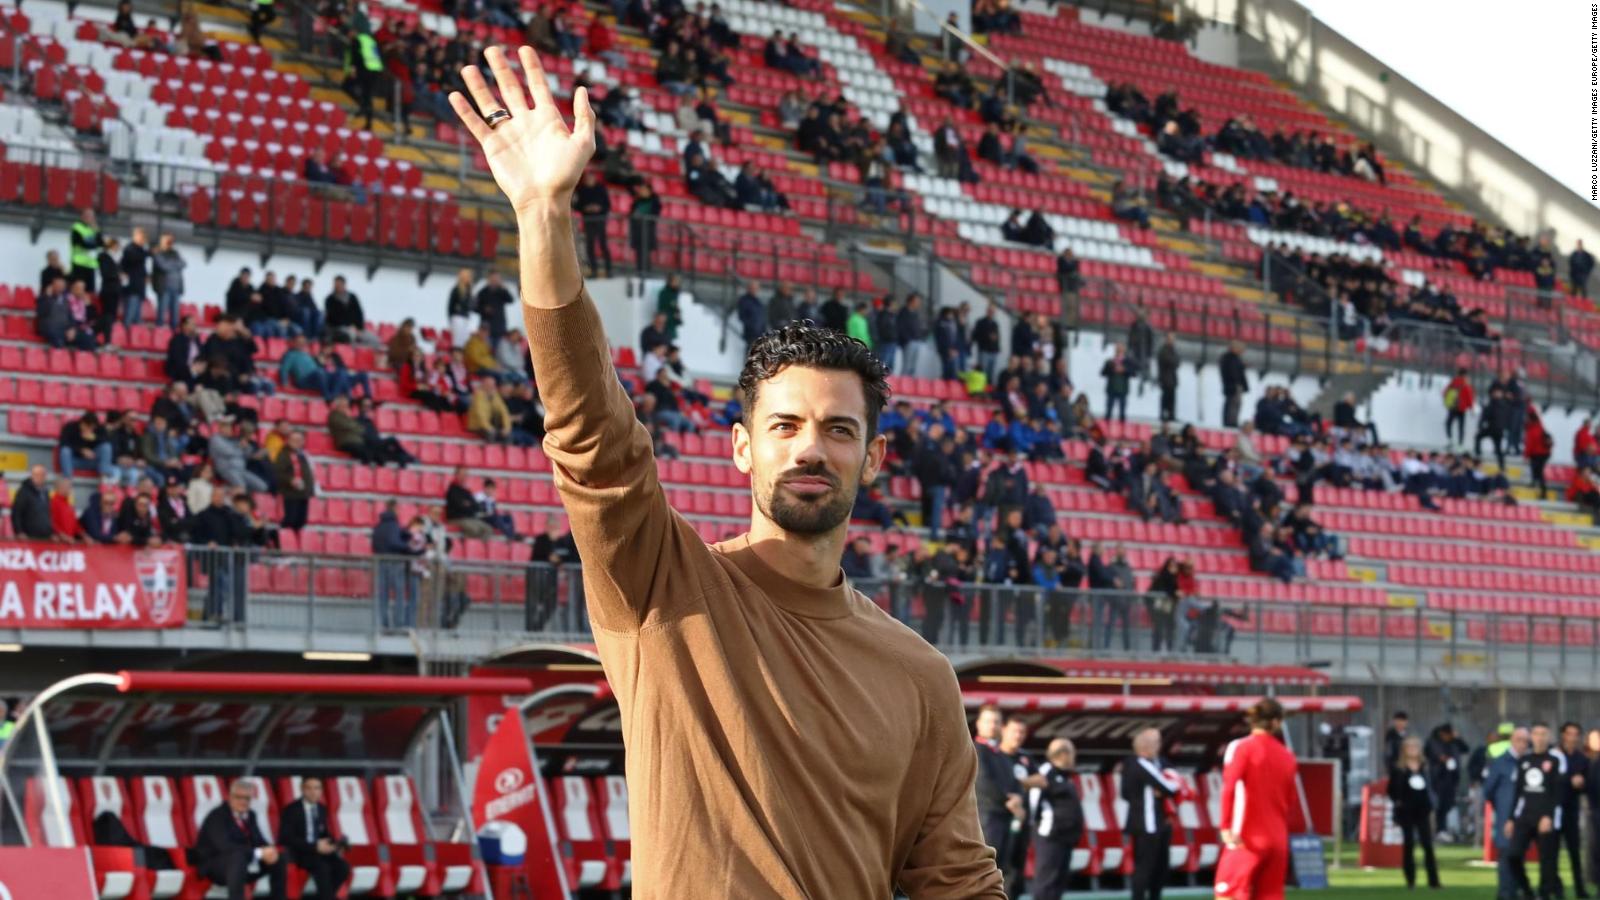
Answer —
(817, 471)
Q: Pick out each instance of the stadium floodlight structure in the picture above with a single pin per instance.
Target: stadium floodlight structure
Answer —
(158, 750)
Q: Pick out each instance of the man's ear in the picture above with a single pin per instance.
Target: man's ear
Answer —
(741, 447)
(876, 449)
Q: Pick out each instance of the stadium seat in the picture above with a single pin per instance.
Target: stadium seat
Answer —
(1204, 842)
(116, 875)
(613, 791)
(583, 843)
(451, 867)
(104, 794)
(1103, 831)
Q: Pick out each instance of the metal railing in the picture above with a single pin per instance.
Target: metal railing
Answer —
(366, 596)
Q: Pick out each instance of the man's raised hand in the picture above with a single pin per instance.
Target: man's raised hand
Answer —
(534, 157)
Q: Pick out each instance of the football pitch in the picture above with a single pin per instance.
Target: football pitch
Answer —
(1463, 879)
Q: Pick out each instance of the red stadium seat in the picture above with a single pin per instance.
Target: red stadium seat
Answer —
(450, 866)
(116, 874)
(577, 812)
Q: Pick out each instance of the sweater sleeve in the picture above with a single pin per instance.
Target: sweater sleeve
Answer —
(633, 546)
(949, 858)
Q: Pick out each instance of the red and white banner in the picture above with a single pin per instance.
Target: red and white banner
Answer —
(91, 586)
(509, 789)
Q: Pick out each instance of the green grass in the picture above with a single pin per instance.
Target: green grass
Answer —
(1462, 881)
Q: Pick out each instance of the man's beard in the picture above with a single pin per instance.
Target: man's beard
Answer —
(809, 515)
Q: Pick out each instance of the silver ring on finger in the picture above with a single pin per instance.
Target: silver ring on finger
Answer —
(493, 119)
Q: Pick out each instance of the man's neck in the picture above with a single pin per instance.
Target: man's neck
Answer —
(811, 560)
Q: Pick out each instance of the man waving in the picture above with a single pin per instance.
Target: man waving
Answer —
(785, 737)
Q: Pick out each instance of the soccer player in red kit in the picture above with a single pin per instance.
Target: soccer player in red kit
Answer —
(1258, 782)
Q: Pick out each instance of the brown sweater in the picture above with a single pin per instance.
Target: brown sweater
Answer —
(782, 742)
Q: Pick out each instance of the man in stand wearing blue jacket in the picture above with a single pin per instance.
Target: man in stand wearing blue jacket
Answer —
(1500, 789)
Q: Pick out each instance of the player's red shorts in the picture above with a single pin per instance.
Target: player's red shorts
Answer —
(1251, 873)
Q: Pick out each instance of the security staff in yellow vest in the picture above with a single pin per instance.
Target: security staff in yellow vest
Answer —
(262, 14)
(86, 242)
(363, 66)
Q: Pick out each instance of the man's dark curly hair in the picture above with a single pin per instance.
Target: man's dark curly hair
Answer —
(805, 344)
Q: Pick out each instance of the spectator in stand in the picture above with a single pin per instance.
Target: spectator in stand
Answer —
(461, 508)
(349, 435)
(592, 201)
(63, 514)
(936, 473)
(302, 306)
(136, 523)
(752, 316)
(643, 217)
(84, 447)
(487, 414)
(345, 321)
(1128, 203)
(1149, 496)
(31, 507)
(85, 238)
(1234, 384)
(228, 458)
(297, 480)
(110, 289)
(183, 353)
(1167, 364)
(166, 277)
(135, 265)
(912, 329)
(489, 511)
(511, 357)
(397, 588)
(1580, 265)
(1494, 423)
(238, 296)
(986, 341)
(1344, 419)
(859, 326)
(708, 185)
(172, 513)
(493, 298)
(479, 356)
(459, 308)
(665, 408)
(99, 516)
(1538, 445)
(654, 335)
(1583, 491)
(1117, 373)
(51, 271)
(1266, 557)
(1458, 401)
(835, 313)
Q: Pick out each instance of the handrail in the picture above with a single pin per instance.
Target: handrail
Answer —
(519, 602)
(959, 35)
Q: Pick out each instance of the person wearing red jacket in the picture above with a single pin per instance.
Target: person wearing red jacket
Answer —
(1258, 783)
(1585, 448)
(63, 517)
(1538, 445)
(1458, 401)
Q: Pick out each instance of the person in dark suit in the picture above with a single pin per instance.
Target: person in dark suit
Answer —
(1146, 787)
(1057, 822)
(1234, 384)
(232, 852)
(183, 353)
(309, 841)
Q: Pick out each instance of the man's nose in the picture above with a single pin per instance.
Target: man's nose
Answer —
(806, 447)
